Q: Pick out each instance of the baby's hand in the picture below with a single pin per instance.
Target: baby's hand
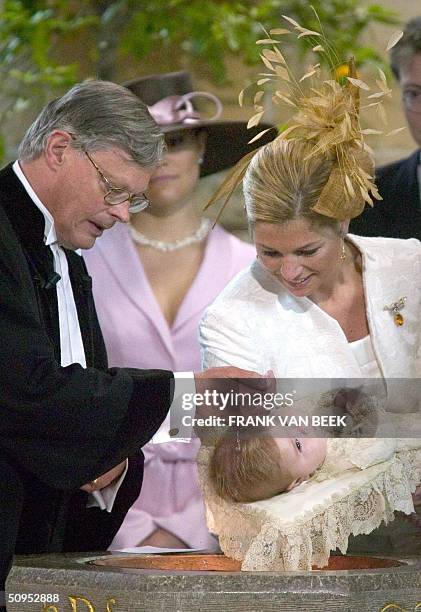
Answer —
(360, 412)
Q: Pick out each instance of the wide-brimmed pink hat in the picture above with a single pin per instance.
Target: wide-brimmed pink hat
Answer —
(171, 101)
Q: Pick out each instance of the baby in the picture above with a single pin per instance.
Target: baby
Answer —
(255, 468)
(245, 468)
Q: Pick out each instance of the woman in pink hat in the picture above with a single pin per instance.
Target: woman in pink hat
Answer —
(152, 281)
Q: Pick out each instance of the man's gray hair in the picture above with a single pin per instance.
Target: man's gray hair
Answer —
(100, 115)
(408, 46)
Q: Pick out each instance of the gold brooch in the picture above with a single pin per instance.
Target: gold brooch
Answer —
(395, 309)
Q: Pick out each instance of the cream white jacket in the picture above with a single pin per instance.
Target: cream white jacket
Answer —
(257, 325)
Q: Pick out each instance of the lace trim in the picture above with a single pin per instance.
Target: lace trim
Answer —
(259, 539)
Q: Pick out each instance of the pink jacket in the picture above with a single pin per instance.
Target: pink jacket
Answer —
(137, 335)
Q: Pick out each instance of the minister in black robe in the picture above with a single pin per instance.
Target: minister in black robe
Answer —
(60, 427)
(84, 165)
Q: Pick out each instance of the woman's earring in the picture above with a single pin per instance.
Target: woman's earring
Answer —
(343, 251)
(200, 160)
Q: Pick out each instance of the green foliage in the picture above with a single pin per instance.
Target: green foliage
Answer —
(344, 23)
(204, 32)
(30, 72)
(29, 33)
(35, 36)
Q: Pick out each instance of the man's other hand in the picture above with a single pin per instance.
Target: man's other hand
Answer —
(106, 479)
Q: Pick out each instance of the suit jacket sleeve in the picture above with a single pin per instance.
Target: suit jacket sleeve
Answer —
(65, 425)
(398, 215)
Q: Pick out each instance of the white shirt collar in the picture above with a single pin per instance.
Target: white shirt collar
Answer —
(50, 236)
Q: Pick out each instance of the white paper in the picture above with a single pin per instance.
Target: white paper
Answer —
(153, 550)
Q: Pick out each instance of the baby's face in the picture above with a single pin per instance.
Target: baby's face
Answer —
(302, 456)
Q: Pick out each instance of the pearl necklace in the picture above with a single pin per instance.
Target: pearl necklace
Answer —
(166, 247)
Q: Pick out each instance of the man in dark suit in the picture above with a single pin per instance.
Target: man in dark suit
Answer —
(67, 422)
(399, 183)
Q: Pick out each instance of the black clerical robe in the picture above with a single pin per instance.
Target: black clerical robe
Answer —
(60, 427)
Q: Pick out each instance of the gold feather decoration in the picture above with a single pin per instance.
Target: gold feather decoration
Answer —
(325, 113)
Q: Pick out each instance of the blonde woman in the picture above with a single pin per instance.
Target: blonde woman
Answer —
(318, 302)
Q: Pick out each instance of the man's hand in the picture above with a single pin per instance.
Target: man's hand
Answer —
(227, 372)
(106, 479)
(227, 380)
(256, 382)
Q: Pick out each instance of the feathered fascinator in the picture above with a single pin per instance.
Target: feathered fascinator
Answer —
(325, 114)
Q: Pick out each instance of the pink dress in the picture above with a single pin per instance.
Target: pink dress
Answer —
(137, 335)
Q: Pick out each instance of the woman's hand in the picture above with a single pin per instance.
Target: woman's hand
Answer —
(161, 538)
(227, 380)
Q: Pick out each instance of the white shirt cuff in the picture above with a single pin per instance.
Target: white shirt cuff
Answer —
(183, 383)
(105, 498)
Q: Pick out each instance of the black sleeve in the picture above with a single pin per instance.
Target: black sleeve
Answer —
(398, 214)
(89, 529)
(376, 220)
(65, 425)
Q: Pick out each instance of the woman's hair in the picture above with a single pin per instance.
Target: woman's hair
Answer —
(247, 469)
(101, 115)
(283, 183)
